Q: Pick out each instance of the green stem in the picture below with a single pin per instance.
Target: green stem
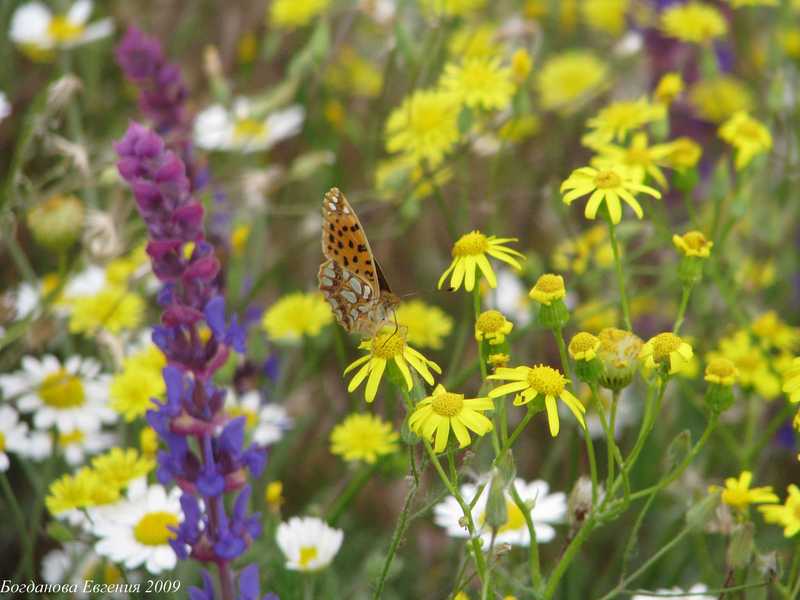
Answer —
(533, 554)
(626, 311)
(519, 429)
(25, 537)
(592, 464)
(687, 291)
(568, 556)
(353, 487)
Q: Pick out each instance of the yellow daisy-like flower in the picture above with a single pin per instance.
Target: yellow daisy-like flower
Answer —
(479, 83)
(773, 332)
(716, 99)
(789, 40)
(607, 16)
(273, 495)
(669, 87)
(114, 309)
(295, 315)
(791, 381)
(451, 8)
(584, 346)
(436, 415)
(521, 65)
(738, 493)
(752, 365)
(385, 347)
(569, 78)
(148, 442)
(493, 327)
(119, 466)
(499, 359)
(684, 153)
(747, 135)
(693, 243)
(614, 121)
(470, 254)
(786, 515)
(743, 3)
(426, 325)
(71, 492)
(666, 349)
(639, 157)
(548, 288)
(721, 371)
(609, 185)
(288, 14)
(528, 383)
(693, 22)
(424, 126)
(475, 41)
(139, 381)
(363, 437)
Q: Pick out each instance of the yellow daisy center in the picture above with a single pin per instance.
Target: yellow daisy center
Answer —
(62, 390)
(62, 29)
(249, 128)
(388, 345)
(74, 437)
(447, 404)
(2, 441)
(737, 496)
(490, 321)
(665, 344)
(721, 368)
(307, 554)
(550, 284)
(546, 380)
(607, 179)
(515, 519)
(240, 411)
(471, 244)
(695, 240)
(583, 342)
(151, 530)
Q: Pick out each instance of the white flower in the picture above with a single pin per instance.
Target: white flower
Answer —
(88, 282)
(13, 435)
(77, 444)
(34, 26)
(547, 510)
(510, 297)
(267, 422)
(72, 396)
(5, 106)
(243, 129)
(76, 562)
(308, 543)
(135, 531)
(695, 589)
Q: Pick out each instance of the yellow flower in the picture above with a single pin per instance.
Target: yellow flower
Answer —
(721, 371)
(148, 442)
(575, 253)
(424, 126)
(530, 382)
(499, 359)
(584, 346)
(426, 325)
(738, 493)
(477, 41)
(548, 287)
(288, 14)
(239, 237)
(273, 494)
(666, 349)
(451, 8)
(493, 327)
(517, 129)
(614, 121)
(607, 16)
(479, 83)
(569, 78)
(118, 466)
(640, 159)
(775, 333)
(363, 437)
(114, 309)
(669, 87)
(354, 75)
(469, 255)
(608, 185)
(436, 415)
(693, 22)
(402, 177)
(743, 3)
(295, 315)
(385, 347)
(719, 98)
(791, 381)
(139, 381)
(786, 515)
(521, 65)
(684, 153)
(753, 367)
(789, 39)
(693, 243)
(747, 135)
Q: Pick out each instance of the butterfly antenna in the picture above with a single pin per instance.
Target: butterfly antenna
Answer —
(396, 328)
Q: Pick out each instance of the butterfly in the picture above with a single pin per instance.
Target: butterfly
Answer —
(350, 278)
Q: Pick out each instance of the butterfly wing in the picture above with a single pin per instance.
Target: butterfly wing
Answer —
(351, 299)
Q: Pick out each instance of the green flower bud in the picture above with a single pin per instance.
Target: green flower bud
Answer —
(56, 223)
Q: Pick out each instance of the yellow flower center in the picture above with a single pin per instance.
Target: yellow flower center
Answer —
(61, 29)
(151, 530)
(583, 342)
(471, 244)
(499, 360)
(447, 404)
(665, 344)
(388, 345)
(695, 240)
(515, 519)
(607, 179)
(546, 380)
(490, 321)
(307, 554)
(274, 493)
(2, 441)
(74, 437)
(111, 573)
(722, 368)
(245, 129)
(748, 128)
(62, 390)
(240, 411)
(550, 284)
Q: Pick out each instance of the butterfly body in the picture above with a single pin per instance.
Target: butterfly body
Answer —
(350, 278)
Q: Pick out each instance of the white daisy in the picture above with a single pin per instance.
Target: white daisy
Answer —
(70, 396)
(308, 543)
(75, 563)
(510, 297)
(5, 106)
(79, 443)
(39, 445)
(135, 531)
(548, 509)
(243, 129)
(35, 27)
(13, 435)
(690, 594)
(266, 422)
